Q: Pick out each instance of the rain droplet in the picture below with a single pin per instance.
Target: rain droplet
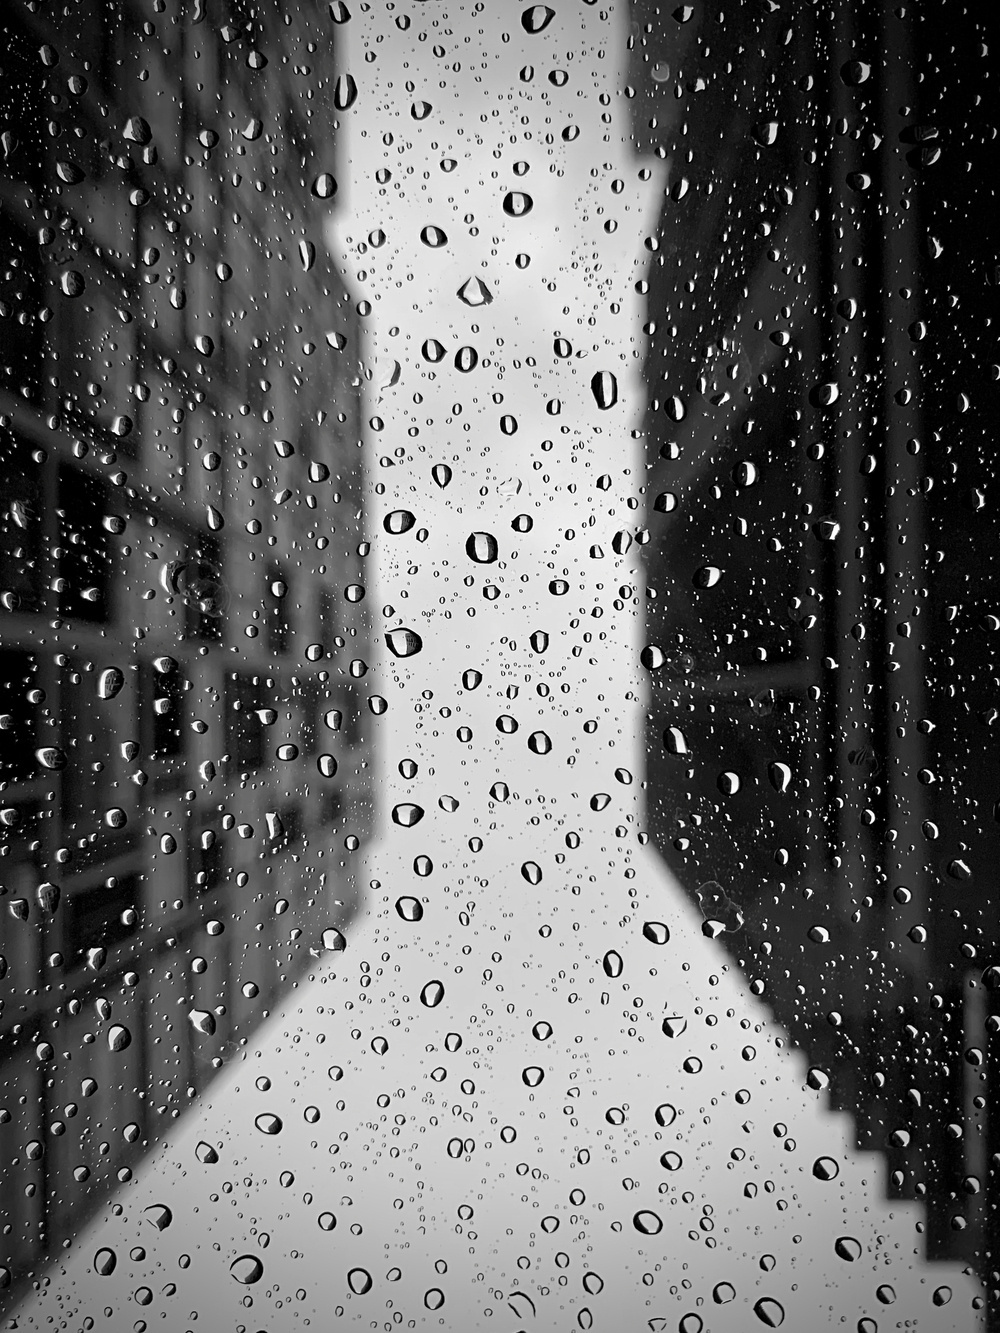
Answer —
(432, 994)
(846, 1247)
(537, 18)
(268, 1123)
(247, 1269)
(647, 1222)
(119, 1038)
(517, 204)
(532, 1076)
(474, 292)
(532, 872)
(324, 186)
(442, 474)
(433, 237)
(409, 909)
(159, 1215)
(665, 1115)
(482, 547)
(826, 1168)
(707, 576)
(105, 1262)
(539, 742)
(656, 932)
(539, 641)
(770, 1312)
(202, 1021)
(604, 387)
(406, 814)
(613, 963)
(723, 1293)
(360, 1281)
(333, 940)
(206, 1153)
(345, 92)
(404, 642)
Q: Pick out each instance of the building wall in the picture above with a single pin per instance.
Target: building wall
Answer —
(821, 771)
(184, 780)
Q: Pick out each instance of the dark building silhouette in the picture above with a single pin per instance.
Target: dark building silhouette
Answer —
(184, 778)
(821, 621)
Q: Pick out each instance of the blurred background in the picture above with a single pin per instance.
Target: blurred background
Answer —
(187, 731)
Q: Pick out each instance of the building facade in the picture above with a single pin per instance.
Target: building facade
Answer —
(821, 634)
(185, 785)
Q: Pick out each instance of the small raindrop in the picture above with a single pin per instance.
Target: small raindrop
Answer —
(846, 1247)
(159, 1215)
(406, 814)
(360, 1281)
(434, 237)
(409, 909)
(247, 1269)
(537, 18)
(432, 994)
(345, 92)
(770, 1312)
(474, 292)
(517, 204)
(613, 963)
(441, 474)
(206, 1153)
(532, 1076)
(604, 387)
(482, 547)
(333, 940)
(105, 1262)
(723, 1293)
(268, 1123)
(826, 1168)
(404, 642)
(656, 932)
(119, 1038)
(532, 872)
(647, 1223)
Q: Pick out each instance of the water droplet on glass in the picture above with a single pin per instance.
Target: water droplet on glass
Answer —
(202, 1021)
(770, 1312)
(206, 1153)
(647, 1223)
(404, 642)
(360, 1281)
(826, 1168)
(119, 1038)
(410, 909)
(532, 1076)
(474, 292)
(482, 547)
(604, 387)
(345, 92)
(247, 1269)
(537, 18)
(532, 872)
(159, 1215)
(333, 940)
(517, 204)
(105, 1262)
(433, 237)
(268, 1123)
(406, 814)
(846, 1247)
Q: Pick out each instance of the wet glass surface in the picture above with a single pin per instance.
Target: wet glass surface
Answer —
(498, 669)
